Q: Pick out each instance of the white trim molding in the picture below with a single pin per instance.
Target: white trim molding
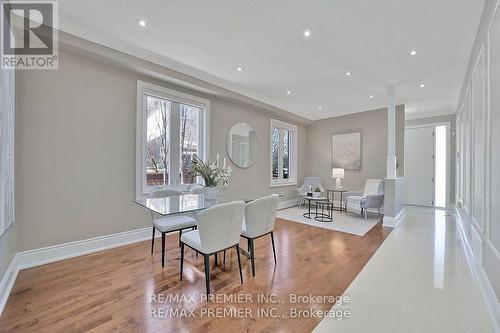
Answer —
(480, 276)
(288, 203)
(394, 222)
(49, 254)
(150, 89)
(7, 282)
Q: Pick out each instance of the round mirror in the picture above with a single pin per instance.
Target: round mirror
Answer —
(242, 145)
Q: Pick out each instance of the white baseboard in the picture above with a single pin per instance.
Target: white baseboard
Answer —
(64, 251)
(489, 296)
(59, 252)
(393, 222)
(8, 282)
(288, 203)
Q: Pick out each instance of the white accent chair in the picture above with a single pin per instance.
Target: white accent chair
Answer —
(219, 229)
(372, 196)
(260, 216)
(314, 182)
(166, 224)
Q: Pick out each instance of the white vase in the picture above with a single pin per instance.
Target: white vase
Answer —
(211, 193)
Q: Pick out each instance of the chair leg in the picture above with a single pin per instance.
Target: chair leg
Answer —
(239, 261)
(180, 235)
(252, 256)
(224, 259)
(182, 258)
(162, 249)
(379, 212)
(153, 240)
(207, 272)
(274, 250)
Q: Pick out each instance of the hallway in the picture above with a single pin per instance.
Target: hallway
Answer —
(419, 274)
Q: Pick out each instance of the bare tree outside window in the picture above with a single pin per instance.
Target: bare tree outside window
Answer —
(286, 153)
(157, 140)
(275, 152)
(189, 141)
(283, 153)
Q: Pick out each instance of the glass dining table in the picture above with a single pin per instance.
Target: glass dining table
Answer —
(184, 204)
(177, 204)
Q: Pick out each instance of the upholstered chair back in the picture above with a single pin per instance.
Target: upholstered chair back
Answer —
(260, 215)
(197, 189)
(165, 193)
(373, 187)
(220, 226)
(314, 182)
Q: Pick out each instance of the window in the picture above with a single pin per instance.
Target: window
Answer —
(283, 153)
(171, 130)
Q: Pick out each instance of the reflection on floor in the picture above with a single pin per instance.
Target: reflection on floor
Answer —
(418, 281)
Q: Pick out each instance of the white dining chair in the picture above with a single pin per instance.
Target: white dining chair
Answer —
(166, 224)
(260, 216)
(219, 229)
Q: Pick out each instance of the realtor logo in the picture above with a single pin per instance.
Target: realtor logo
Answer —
(29, 34)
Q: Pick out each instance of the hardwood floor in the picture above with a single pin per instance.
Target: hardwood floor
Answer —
(112, 290)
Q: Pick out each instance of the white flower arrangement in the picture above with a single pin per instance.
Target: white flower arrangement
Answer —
(211, 172)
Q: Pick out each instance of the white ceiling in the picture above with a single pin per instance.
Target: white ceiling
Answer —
(369, 38)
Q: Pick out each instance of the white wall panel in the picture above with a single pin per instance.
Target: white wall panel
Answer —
(478, 142)
(494, 123)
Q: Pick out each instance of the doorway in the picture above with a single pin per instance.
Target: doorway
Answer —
(427, 161)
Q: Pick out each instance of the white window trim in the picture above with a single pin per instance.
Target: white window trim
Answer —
(293, 154)
(172, 95)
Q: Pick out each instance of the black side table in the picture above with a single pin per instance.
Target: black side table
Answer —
(322, 217)
(341, 207)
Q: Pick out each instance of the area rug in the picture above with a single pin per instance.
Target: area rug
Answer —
(350, 223)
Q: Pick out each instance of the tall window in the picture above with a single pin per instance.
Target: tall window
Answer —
(170, 132)
(283, 153)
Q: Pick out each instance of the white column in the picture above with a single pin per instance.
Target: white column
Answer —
(391, 133)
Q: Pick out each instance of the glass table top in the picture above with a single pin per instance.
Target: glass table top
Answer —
(178, 204)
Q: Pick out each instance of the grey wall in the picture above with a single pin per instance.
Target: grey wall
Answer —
(452, 153)
(76, 151)
(373, 127)
(8, 248)
(255, 180)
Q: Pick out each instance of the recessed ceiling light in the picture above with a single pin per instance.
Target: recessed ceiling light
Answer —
(307, 33)
(422, 85)
(141, 22)
(413, 52)
(288, 92)
(320, 108)
(239, 69)
(371, 96)
(348, 73)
